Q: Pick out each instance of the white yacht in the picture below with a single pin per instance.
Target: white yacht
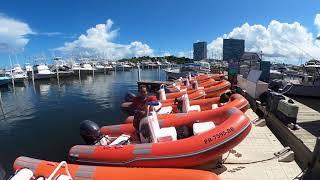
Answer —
(42, 71)
(62, 67)
(100, 68)
(308, 86)
(28, 68)
(18, 74)
(82, 68)
(123, 67)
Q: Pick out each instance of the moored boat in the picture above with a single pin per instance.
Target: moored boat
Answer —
(42, 71)
(212, 91)
(4, 80)
(18, 74)
(213, 133)
(236, 100)
(29, 168)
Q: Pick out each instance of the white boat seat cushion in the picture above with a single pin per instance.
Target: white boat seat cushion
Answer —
(199, 128)
(215, 106)
(167, 134)
(160, 134)
(194, 108)
(165, 110)
(186, 105)
(120, 139)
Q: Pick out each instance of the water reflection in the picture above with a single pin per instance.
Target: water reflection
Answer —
(47, 114)
(17, 106)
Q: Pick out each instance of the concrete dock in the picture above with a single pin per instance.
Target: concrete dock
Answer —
(301, 141)
(243, 162)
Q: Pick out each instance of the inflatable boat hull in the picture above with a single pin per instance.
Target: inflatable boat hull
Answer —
(45, 168)
(196, 150)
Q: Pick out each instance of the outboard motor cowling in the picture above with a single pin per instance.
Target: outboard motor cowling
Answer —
(90, 132)
(129, 97)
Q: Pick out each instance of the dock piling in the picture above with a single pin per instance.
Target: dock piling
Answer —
(79, 73)
(1, 106)
(57, 69)
(32, 76)
(12, 80)
(159, 73)
(139, 78)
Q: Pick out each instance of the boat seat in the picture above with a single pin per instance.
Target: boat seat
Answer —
(120, 140)
(199, 128)
(167, 134)
(162, 94)
(157, 134)
(196, 86)
(163, 110)
(186, 105)
(215, 106)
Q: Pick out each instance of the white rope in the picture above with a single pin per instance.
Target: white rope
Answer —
(58, 167)
(287, 89)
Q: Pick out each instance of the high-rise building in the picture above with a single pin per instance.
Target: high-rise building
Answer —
(199, 51)
(233, 49)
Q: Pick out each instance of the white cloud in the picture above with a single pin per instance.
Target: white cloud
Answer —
(165, 54)
(317, 23)
(187, 54)
(13, 34)
(98, 41)
(290, 40)
(50, 34)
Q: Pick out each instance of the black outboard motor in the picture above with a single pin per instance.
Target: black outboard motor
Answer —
(90, 132)
(129, 97)
(224, 98)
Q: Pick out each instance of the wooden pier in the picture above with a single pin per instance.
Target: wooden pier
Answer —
(154, 85)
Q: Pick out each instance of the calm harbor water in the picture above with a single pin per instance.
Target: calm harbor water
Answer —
(42, 120)
(313, 103)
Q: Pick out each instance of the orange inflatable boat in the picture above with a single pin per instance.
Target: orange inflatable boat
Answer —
(236, 100)
(207, 136)
(26, 167)
(200, 93)
(217, 90)
(193, 94)
(203, 77)
(205, 84)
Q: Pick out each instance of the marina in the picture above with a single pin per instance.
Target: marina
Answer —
(233, 166)
(199, 90)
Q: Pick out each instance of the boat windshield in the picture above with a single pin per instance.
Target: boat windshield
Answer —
(190, 67)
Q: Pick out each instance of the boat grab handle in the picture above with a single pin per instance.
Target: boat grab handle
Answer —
(58, 167)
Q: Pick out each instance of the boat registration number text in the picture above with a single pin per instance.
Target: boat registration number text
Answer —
(218, 135)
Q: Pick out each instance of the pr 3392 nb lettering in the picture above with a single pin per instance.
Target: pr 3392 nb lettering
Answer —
(218, 135)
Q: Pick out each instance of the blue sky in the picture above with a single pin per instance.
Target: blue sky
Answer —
(160, 27)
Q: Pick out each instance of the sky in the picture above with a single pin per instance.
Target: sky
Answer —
(283, 30)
